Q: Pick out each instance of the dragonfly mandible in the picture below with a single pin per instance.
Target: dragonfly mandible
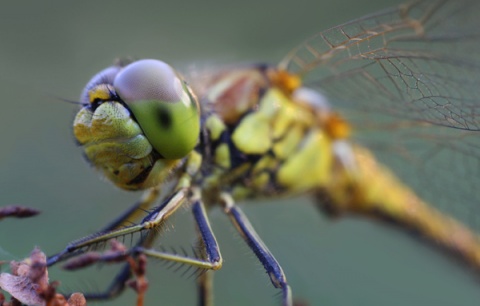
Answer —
(252, 131)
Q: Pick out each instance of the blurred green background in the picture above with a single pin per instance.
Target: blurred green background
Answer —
(49, 50)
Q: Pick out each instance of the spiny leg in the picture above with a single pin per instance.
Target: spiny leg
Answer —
(144, 203)
(207, 238)
(206, 241)
(204, 280)
(152, 220)
(256, 244)
(157, 216)
(210, 251)
(117, 286)
(134, 212)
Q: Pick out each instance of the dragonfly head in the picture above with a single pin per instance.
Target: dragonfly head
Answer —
(138, 122)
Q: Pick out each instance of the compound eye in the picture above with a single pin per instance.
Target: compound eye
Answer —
(162, 105)
(98, 86)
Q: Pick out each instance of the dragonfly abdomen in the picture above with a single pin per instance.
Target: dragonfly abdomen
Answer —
(371, 190)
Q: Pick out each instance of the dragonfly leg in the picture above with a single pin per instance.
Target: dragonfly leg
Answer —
(208, 243)
(212, 259)
(116, 287)
(154, 219)
(118, 227)
(205, 289)
(118, 284)
(135, 211)
(210, 251)
(248, 233)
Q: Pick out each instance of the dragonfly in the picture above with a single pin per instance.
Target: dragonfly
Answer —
(364, 117)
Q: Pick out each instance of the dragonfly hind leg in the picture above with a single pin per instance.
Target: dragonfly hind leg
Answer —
(248, 233)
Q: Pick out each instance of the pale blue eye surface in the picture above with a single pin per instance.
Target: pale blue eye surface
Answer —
(148, 80)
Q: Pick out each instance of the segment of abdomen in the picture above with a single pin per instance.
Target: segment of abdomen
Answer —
(370, 189)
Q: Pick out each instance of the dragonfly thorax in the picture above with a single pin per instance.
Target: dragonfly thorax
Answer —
(262, 138)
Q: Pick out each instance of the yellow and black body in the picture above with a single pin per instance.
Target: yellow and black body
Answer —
(256, 131)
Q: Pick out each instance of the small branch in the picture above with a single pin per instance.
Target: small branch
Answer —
(17, 212)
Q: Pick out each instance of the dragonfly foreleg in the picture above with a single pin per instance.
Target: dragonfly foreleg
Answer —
(118, 284)
(212, 259)
(134, 212)
(248, 233)
(153, 220)
(210, 251)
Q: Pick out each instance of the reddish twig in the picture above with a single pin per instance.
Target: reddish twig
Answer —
(17, 212)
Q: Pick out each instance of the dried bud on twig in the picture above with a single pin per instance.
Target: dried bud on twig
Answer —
(27, 278)
(28, 284)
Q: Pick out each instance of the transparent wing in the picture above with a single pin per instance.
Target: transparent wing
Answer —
(419, 60)
(408, 79)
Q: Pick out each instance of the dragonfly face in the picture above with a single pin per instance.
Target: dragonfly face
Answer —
(142, 152)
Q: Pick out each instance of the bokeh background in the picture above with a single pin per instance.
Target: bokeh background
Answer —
(49, 50)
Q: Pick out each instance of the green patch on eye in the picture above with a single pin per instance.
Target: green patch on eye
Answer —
(171, 127)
